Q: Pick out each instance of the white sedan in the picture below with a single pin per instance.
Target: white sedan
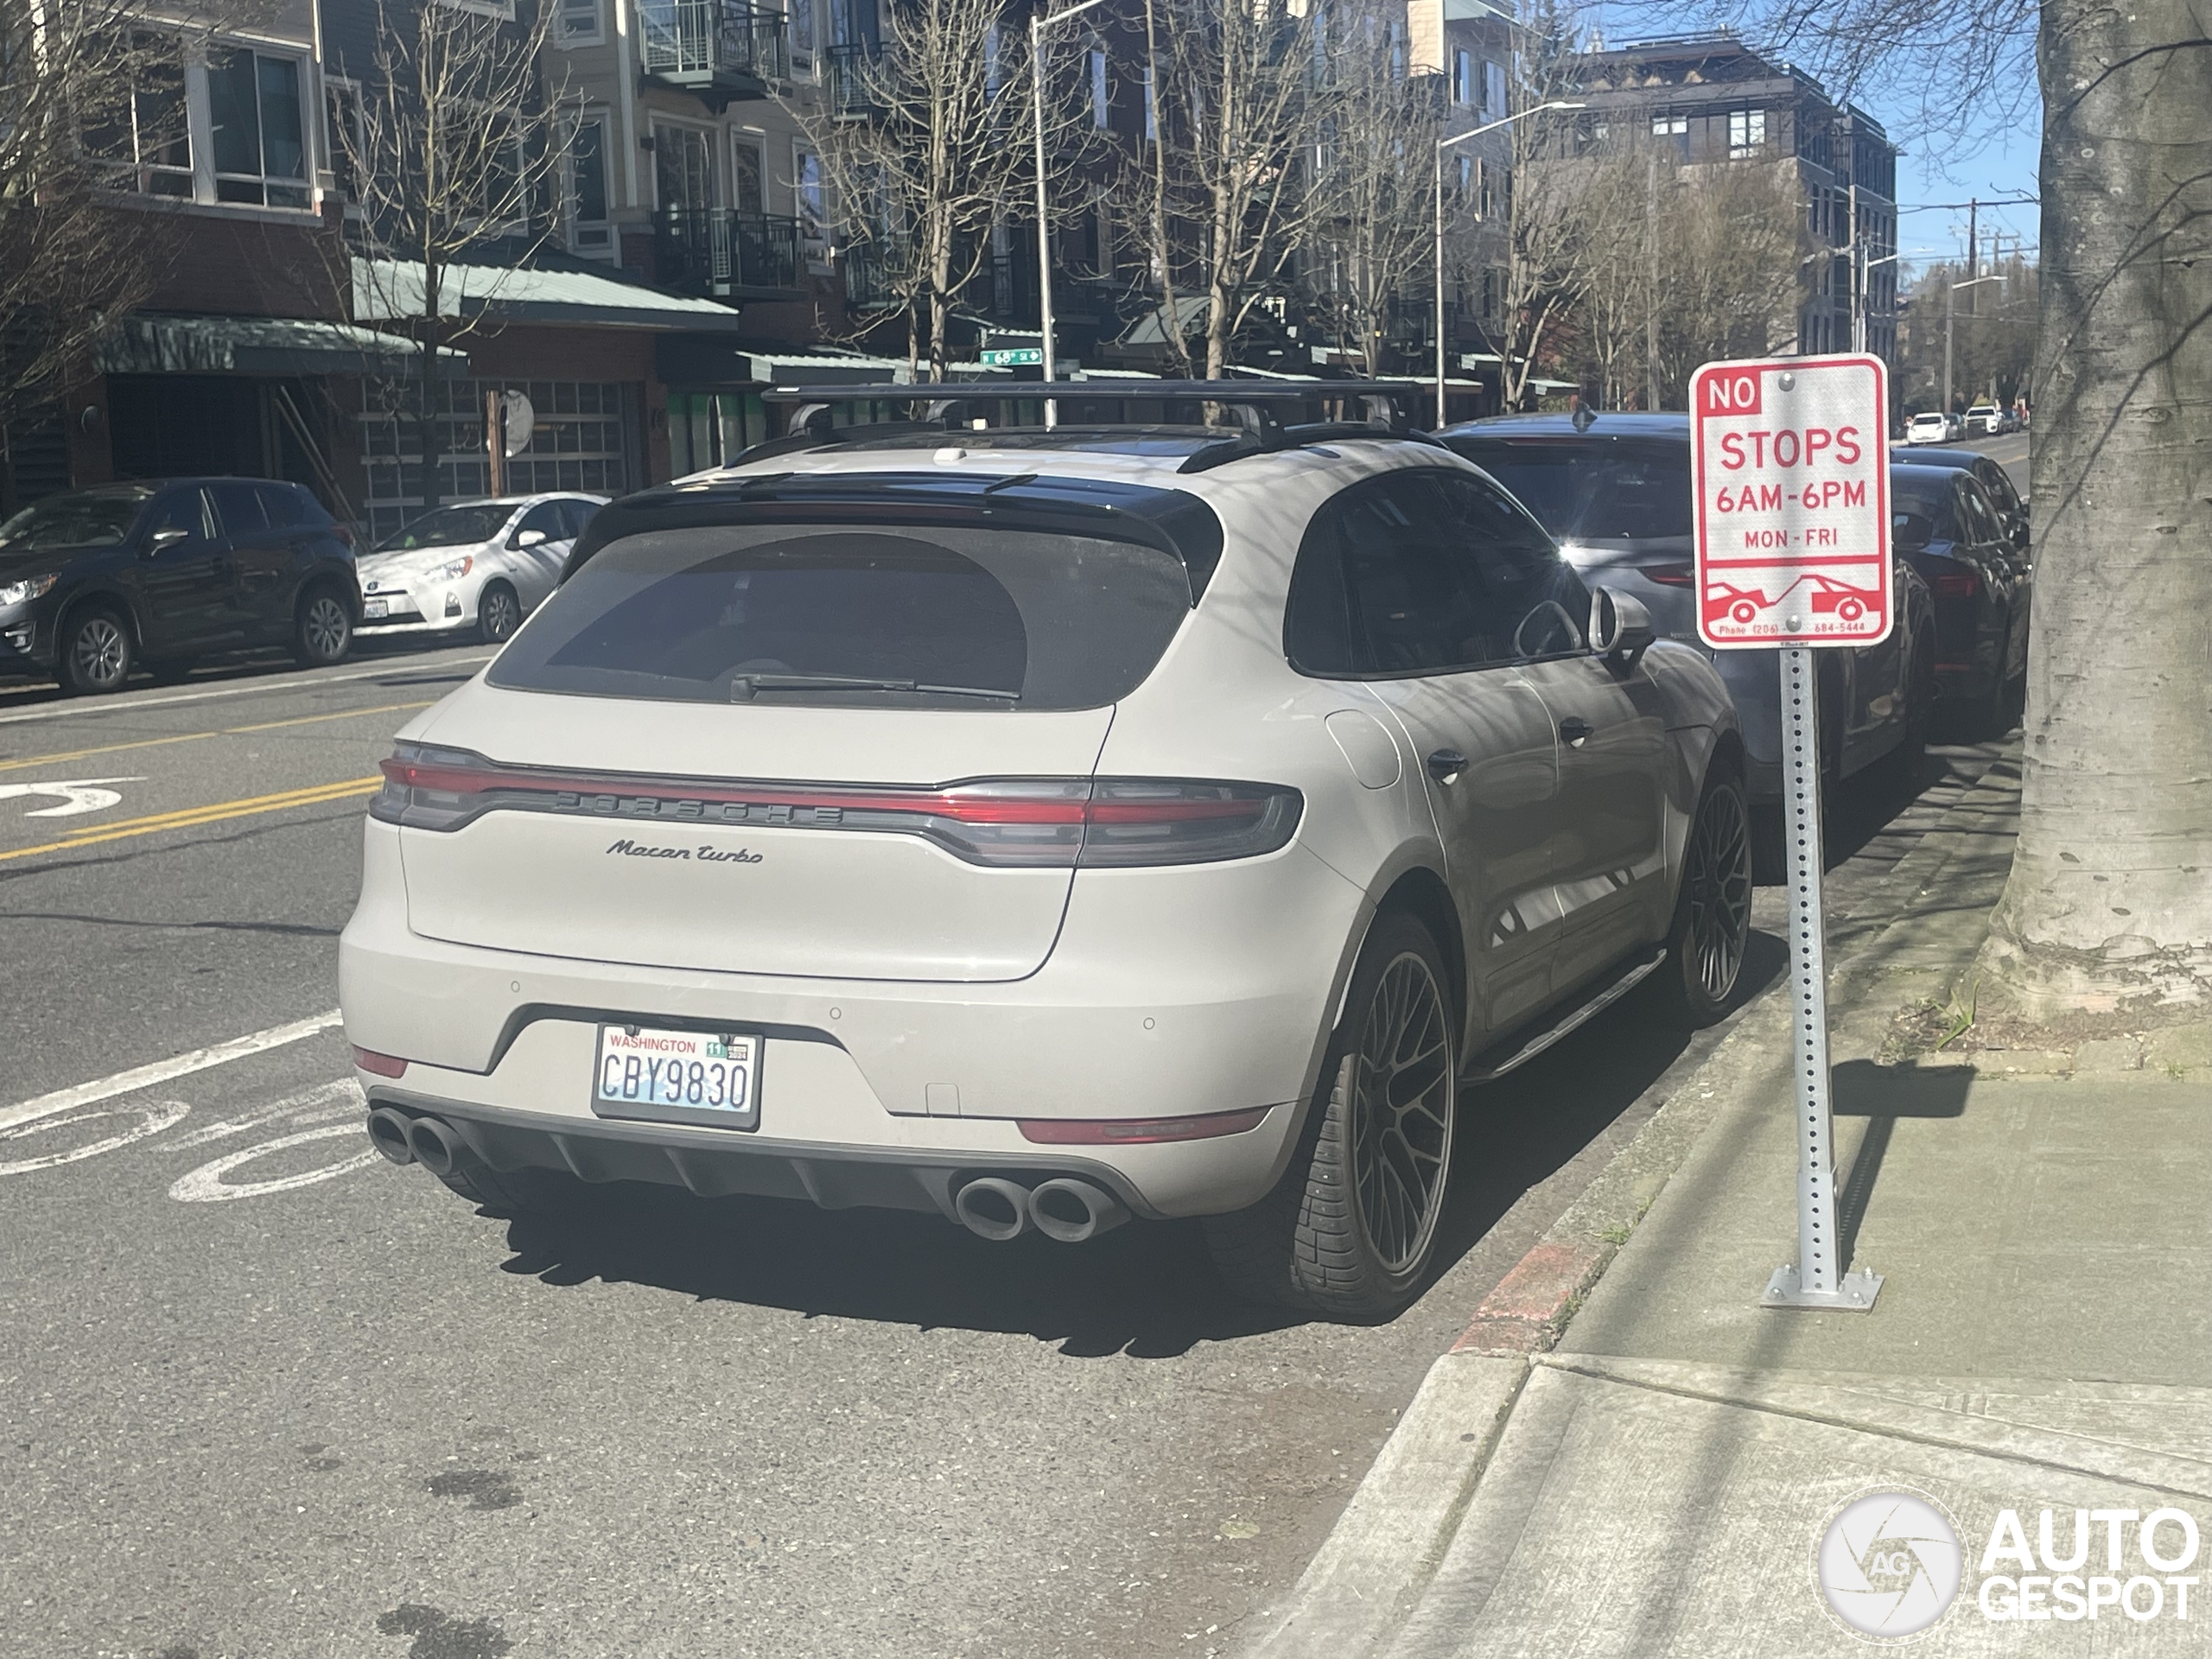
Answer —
(481, 565)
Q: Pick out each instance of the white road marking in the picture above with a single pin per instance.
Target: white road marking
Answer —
(145, 1076)
(81, 795)
(329, 1100)
(153, 1115)
(206, 1185)
(247, 688)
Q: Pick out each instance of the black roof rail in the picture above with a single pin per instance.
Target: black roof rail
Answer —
(1253, 404)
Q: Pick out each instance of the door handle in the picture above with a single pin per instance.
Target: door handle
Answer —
(1445, 765)
(1576, 730)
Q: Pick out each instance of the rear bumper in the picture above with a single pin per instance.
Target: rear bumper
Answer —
(1171, 994)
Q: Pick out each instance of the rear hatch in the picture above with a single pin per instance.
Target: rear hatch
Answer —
(779, 745)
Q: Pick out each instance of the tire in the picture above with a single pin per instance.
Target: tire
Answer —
(1712, 912)
(1902, 765)
(1350, 1230)
(322, 631)
(511, 1193)
(499, 614)
(96, 655)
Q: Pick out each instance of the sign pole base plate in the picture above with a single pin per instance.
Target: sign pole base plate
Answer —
(1854, 1295)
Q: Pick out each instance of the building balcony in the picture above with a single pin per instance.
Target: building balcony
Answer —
(861, 268)
(724, 51)
(852, 82)
(719, 254)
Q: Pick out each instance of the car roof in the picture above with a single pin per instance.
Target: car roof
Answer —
(1615, 423)
(1950, 459)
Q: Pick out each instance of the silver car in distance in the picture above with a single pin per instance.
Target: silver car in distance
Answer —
(1043, 829)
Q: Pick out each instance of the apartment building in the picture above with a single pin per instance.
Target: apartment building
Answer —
(1715, 101)
(244, 358)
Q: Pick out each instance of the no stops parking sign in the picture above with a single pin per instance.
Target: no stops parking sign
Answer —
(1791, 460)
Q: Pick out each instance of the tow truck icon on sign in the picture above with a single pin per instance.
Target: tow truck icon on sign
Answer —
(1743, 604)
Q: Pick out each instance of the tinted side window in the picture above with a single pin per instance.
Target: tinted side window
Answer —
(185, 510)
(287, 509)
(2002, 495)
(239, 505)
(545, 519)
(1978, 522)
(1422, 572)
(577, 514)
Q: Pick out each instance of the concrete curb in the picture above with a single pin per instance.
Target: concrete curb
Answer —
(1385, 1547)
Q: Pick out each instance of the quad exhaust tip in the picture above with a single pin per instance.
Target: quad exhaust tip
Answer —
(435, 1146)
(1065, 1207)
(388, 1134)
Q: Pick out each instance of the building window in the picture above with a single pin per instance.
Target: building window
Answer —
(1670, 126)
(1397, 50)
(802, 34)
(149, 144)
(502, 9)
(588, 231)
(1493, 89)
(344, 139)
(580, 24)
(1099, 110)
(1746, 133)
(684, 167)
(260, 141)
(810, 198)
(745, 192)
(1463, 76)
(1151, 109)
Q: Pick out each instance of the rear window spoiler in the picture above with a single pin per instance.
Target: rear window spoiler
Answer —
(1174, 521)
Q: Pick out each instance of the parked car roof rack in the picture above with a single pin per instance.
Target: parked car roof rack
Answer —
(1255, 405)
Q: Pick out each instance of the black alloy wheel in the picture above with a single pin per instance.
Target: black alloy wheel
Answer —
(324, 630)
(1712, 917)
(1350, 1230)
(499, 614)
(96, 653)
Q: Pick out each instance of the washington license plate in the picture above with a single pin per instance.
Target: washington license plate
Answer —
(678, 1077)
(373, 608)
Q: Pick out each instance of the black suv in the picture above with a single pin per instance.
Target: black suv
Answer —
(96, 581)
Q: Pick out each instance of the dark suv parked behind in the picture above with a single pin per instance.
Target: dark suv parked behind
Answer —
(96, 580)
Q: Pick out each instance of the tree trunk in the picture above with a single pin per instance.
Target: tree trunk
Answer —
(427, 421)
(2109, 907)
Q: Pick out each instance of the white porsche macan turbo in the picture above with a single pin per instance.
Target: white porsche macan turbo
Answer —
(1043, 829)
(480, 566)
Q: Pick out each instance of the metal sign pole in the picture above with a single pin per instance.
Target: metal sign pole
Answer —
(1817, 1280)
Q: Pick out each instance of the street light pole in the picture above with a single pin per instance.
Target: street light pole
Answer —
(1038, 23)
(1443, 145)
(1950, 309)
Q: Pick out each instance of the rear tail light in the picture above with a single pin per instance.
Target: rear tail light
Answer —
(1033, 823)
(1956, 584)
(342, 534)
(1668, 575)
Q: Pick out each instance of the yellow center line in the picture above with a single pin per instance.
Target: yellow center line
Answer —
(216, 813)
(193, 737)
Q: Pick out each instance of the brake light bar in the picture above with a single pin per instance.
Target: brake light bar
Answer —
(1668, 575)
(1137, 1131)
(1034, 822)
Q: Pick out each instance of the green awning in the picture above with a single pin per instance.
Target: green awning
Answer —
(285, 346)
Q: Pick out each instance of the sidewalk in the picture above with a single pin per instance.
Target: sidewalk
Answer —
(1657, 1484)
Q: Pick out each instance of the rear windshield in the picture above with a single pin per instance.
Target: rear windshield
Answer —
(941, 617)
(1927, 498)
(1596, 491)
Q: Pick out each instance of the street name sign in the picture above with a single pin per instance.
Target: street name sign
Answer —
(1790, 457)
(1791, 464)
(1013, 357)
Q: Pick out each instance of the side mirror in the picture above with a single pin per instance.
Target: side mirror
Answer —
(529, 537)
(166, 537)
(1620, 628)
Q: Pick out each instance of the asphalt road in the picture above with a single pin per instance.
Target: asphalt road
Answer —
(263, 1395)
